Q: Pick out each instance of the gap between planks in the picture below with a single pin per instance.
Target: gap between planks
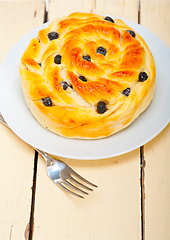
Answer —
(30, 227)
(142, 165)
(142, 185)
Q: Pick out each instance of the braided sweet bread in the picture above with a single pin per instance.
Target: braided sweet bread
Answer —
(87, 76)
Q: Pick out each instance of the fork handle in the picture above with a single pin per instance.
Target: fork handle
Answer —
(49, 160)
(3, 121)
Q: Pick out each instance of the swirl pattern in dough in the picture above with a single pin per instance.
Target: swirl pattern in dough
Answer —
(87, 76)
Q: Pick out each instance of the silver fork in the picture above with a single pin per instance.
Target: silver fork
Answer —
(62, 175)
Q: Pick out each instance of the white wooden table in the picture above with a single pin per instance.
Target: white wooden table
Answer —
(132, 201)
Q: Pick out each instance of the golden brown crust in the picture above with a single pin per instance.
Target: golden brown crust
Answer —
(99, 77)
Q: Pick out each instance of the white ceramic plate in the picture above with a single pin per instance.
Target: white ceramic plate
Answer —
(143, 129)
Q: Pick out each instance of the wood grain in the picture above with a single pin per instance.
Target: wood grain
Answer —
(16, 158)
(63, 8)
(119, 8)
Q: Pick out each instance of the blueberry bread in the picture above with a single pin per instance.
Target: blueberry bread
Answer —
(87, 76)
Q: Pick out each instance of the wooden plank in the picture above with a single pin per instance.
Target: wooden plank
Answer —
(15, 24)
(113, 210)
(155, 16)
(16, 157)
(65, 7)
(15, 184)
(119, 8)
(157, 187)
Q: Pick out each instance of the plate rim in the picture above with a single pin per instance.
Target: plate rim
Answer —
(28, 35)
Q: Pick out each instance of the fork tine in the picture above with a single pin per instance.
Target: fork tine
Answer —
(67, 190)
(78, 183)
(69, 184)
(83, 179)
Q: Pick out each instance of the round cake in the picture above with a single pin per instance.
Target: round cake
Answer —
(87, 76)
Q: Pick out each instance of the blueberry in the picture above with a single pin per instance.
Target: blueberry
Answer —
(87, 58)
(101, 50)
(82, 78)
(47, 102)
(143, 76)
(126, 92)
(39, 64)
(132, 33)
(57, 59)
(64, 85)
(101, 107)
(53, 35)
(107, 18)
